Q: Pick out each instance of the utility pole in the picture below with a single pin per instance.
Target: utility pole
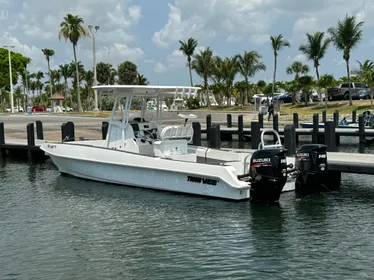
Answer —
(93, 29)
(10, 77)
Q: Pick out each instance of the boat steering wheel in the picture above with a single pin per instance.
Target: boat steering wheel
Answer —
(146, 135)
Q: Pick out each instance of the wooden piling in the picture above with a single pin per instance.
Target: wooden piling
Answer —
(215, 136)
(275, 126)
(255, 135)
(354, 116)
(240, 127)
(39, 130)
(229, 120)
(208, 125)
(290, 139)
(30, 139)
(196, 139)
(2, 140)
(324, 117)
(296, 124)
(361, 129)
(104, 129)
(315, 129)
(261, 120)
(330, 136)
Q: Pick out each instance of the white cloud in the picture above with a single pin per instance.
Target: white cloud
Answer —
(37, 24)
(235, 20)
(301, 58)
(159, 68)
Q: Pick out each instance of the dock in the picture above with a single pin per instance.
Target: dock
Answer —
(338, 162)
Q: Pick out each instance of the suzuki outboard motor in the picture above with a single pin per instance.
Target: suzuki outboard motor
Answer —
(268, 173)
(311, 164)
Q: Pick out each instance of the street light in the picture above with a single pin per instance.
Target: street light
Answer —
(10, 77)
(93, 29)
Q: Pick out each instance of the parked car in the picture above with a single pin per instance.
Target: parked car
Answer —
(342, 91)
(67, 109)
(38, 109)
(283, 98)
(362, 94)
(16, 109)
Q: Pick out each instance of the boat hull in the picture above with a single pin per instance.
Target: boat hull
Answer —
(118, 167)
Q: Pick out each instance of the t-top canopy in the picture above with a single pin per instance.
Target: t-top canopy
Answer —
(147, 91)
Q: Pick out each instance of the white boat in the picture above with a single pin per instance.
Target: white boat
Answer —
(143, 154)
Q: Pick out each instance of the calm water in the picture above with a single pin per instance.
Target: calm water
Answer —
(55, 227)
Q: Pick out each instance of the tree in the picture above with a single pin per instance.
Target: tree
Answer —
(127, 73)
(229, 69)
(345, 37)
(105, 73)
(72, 29)
(248, 65)
(188, 49)
(38, 76)
(19, 63)
(48, 53)
(141, 80)
(366, 74)
(315, 49)
(305, 83)
(204, 65)
(277, 43)
(296, 68)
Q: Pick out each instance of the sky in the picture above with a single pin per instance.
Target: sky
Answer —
(147, 32)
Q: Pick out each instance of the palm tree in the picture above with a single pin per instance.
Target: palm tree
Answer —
(141, 80)
(204, 66)
(188, 49)
(48, 53)
(315, 50)
(229, 71)
(65, 73)
(277, 43)
(38, 76)
(346, 36)
(296, 69)
(366, 74)
(248, 65)
(72, 29)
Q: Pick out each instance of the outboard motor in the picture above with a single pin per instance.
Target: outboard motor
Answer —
(268, 173)
(311, 164)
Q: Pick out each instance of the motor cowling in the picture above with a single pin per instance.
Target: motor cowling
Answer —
(268, 173)
(311, 164)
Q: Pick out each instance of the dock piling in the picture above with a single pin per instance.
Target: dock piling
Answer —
(275, 126)
(330, 136)
(2, 140)
(104, 129)
(354, 116)
(324, 118)
(240, 127)
(39, 130)
(30, 139)
(215, 136)
(208, 125)
(261, 120)
(255, 135)
(196, 138)
(361, 129)
(315, 129)
(290, 139)
(229, 120)
(296, 124)
(336, 118)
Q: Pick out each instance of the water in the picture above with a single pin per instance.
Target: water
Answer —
(55, 227)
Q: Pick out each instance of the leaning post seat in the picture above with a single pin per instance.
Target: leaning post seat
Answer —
(177, 133)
